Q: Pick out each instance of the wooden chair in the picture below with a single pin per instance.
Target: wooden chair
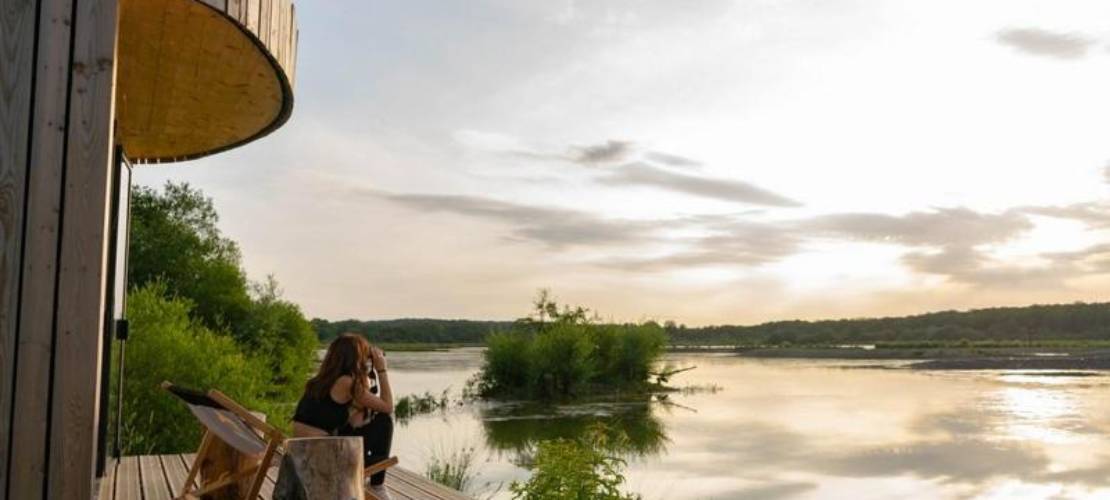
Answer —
(230, 422)
(238, 428)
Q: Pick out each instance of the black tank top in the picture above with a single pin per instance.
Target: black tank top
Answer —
(324, 414)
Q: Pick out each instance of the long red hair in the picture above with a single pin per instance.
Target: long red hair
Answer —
(347, 355)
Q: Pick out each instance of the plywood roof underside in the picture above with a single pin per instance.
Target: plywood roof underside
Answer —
(199, 77)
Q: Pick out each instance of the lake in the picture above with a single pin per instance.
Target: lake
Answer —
(786, 428)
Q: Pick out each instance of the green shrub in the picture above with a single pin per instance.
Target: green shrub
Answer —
(559, 354)
(573, 470)
(166, 344)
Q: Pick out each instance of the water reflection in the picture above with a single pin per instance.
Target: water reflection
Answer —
(630, 428)
(805, 429)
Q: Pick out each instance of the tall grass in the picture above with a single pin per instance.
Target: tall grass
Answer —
(454, 469)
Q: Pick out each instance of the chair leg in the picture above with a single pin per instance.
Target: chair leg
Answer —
(263, 467)
(202, 453)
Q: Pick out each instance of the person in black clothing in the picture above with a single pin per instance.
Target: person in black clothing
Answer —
(350, 396)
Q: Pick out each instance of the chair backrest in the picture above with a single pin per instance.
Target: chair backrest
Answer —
(224, 418)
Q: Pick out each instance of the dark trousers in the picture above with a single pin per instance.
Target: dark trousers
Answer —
(377, 438)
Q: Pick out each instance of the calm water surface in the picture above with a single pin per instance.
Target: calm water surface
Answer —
(798, 429)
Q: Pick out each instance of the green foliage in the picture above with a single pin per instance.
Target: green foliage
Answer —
(168, 344)
(175, 241)
(454, 470)
(197, 321)
(278, 332)
(574, 470)
(562, 353)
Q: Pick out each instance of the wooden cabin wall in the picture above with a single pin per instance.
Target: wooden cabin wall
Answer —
(57, 77)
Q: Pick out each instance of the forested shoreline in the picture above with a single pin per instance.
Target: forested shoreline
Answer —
(1057, 324)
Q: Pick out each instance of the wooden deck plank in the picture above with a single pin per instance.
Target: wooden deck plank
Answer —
(187, 461)
(137, 475)
(267, 490)
(153, 479)
(426, 486)
(108, 483)
(127, 480)
(401, 490)
(175, 472)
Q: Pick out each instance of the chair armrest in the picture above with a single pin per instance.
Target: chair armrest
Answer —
(380, 466)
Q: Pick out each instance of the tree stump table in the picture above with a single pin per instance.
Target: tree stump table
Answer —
(321, 468)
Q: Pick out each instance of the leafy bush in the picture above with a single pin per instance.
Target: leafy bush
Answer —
(166, 344)
(562, 353)
(198, 322)
(573, 470)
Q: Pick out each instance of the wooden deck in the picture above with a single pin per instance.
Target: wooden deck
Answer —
(159, 477)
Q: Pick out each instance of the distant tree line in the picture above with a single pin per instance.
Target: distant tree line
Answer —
(437, 331)
(1038, 323)
(1032, 324)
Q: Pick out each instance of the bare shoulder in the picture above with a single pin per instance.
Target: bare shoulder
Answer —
(343, 383)
(341, 389)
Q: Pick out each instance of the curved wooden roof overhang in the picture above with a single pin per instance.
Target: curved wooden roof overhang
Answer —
(197, 77)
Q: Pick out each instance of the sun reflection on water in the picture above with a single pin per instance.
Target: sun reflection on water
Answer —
(1033, 408)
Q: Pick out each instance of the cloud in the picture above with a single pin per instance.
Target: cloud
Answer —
(671, 160)
(642, 174)
(772, 491)
(940, 227)
(737, 243)
(555, 227)
(947, 242)
(943, 242)
(1094, 214)
(608, 152)
(1046, 43)
(970, 266)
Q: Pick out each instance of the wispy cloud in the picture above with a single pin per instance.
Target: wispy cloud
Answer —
(940, 227)
(642, 174)
(1040, 42)
(1095, 215)
(947, 242)
(606, 153)
(671, 160)
(735, 243)
(555, 227)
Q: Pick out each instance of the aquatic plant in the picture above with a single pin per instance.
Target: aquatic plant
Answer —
(454, 469)
(579, 469)
(418, 404)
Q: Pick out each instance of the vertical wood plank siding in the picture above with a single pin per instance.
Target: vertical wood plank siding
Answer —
(17, 35)
(36, 344)
(84, 236)
(57, 101)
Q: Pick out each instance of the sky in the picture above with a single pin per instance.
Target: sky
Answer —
(705, 162)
